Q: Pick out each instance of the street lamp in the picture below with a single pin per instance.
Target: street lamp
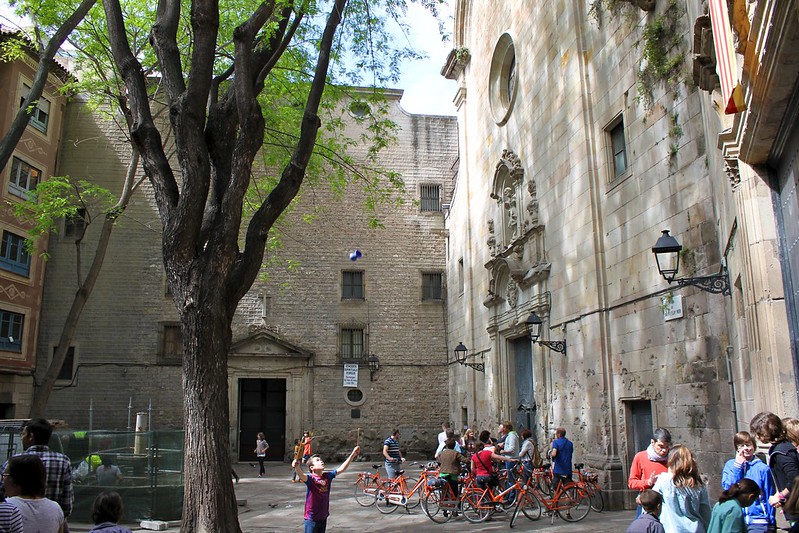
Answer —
(374, 366)
(534, 322)
(462, 353)
(667, 256)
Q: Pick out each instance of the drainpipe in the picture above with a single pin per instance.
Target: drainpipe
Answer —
(731, 383)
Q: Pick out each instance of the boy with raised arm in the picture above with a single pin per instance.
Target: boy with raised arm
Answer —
(317, 498)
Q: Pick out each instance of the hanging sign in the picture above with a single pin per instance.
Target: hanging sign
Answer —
(351, 374)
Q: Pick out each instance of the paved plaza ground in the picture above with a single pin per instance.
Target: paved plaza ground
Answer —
(274, 503)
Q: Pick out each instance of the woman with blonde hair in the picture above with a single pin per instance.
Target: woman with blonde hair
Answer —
(686, 506)
(791, 426)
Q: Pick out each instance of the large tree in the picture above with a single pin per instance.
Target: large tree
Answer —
(211, 83)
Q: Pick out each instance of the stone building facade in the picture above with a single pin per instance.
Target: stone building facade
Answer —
(576, 151)
(22, 273)
(313, 310)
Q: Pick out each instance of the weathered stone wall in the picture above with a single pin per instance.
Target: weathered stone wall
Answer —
(574, 77)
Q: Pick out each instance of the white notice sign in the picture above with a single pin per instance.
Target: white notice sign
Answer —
(672, 307)
(350, 374)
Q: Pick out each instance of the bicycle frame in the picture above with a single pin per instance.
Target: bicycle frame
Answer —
(395, 492)
(567, 502)
(484, 502)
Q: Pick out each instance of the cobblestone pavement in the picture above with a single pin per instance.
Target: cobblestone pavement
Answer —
(274, 503)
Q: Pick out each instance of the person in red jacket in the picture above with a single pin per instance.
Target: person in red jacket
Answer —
(650, 463)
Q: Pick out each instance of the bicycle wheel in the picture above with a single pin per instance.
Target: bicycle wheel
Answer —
(433, 508)
(597, 501)
(573, 505)
(529, 505)
(474, 508)
(413, 498)
(383, 498)
(365, 489)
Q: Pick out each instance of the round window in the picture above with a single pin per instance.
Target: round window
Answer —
(503, 80)
(354, 396)
(360, 109)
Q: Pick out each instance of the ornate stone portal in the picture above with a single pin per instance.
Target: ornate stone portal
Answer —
(516, 237)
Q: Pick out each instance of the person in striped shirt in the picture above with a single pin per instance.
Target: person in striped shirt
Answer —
(10, 518)
(392, 454)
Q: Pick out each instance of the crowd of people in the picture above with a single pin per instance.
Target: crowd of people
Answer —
(757, 493)
(37, 489)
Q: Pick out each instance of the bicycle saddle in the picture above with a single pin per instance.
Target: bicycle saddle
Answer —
(579, 466)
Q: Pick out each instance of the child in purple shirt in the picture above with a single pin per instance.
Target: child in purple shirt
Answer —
(317, 499)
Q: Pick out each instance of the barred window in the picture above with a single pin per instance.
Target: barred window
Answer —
(352, 285)
(352, 343)
(431, 197)
(75, 225)
(432, 286)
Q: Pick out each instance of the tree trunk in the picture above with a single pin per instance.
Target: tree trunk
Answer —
(208, 497)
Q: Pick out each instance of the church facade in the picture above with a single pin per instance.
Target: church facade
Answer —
(579, 147)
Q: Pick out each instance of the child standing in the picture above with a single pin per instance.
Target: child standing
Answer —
(317, 498)
(260, 452)
(686, 507)
(651, 503)
(728, 516)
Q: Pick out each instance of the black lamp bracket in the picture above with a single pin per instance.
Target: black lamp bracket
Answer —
(555, 346)
(715, 284)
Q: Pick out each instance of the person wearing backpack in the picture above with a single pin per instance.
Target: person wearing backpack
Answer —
(529, 454)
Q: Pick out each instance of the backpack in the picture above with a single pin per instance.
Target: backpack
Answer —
(534, 457)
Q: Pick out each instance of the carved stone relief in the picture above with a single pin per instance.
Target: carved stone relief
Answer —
(733, 172)
(513, 294)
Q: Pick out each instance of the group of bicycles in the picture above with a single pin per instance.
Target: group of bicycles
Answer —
(531, 494)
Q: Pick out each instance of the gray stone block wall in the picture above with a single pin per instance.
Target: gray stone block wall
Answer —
(117, 340)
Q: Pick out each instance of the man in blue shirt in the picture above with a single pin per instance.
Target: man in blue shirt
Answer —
(561, 454)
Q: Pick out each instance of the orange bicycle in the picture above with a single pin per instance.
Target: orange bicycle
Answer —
(366, 486)
(569, 501)
(439, 503)
(590, 482)
(477, 504)
(402, 491)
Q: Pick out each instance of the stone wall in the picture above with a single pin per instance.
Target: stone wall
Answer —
(575, 77)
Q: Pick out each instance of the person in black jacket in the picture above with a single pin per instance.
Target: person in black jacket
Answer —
(782, 457)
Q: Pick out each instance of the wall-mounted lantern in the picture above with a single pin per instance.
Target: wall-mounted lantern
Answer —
(461, 356)
(534, 322)
(667, 256)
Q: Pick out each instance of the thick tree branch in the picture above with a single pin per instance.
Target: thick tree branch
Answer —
(14, 134)
(144, 134)
(249, 261)
(163, 38)
(278, 51)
